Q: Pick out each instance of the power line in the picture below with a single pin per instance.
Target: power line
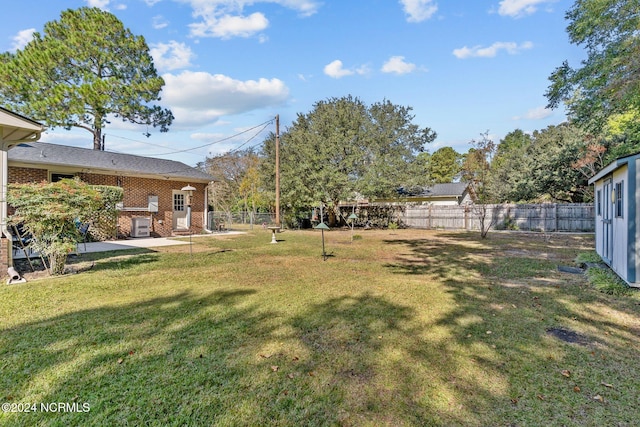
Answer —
(248, 140)
(264, 124)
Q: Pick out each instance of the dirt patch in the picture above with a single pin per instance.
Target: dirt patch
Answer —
(568, 336)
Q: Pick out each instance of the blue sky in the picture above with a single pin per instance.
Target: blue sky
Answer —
(230, 66)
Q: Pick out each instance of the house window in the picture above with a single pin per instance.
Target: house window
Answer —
(599, 202)
(618, 199)
(55, 177)
(178, 202)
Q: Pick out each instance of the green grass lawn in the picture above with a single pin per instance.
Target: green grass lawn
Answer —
(400, 327)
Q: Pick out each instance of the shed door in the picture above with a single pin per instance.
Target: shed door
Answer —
(607, 216)
(179, 210)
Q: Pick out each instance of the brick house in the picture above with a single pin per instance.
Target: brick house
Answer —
(154, 202)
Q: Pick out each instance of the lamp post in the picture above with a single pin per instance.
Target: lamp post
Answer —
(352, 218)
(322, 226)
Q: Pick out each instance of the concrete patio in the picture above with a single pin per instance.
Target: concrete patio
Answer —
(115, 245)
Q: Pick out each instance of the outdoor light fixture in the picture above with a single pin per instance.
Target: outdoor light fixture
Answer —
(322, 226)
(352, 218)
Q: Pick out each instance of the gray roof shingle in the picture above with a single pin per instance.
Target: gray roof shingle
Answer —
(105, 161)
(438, 190)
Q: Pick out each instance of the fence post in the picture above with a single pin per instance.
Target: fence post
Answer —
(466, 217)
(555, 217)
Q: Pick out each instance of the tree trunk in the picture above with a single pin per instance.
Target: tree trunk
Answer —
(57, 262)
(97, 134)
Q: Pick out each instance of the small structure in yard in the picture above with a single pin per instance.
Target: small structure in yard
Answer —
(617, 217)
(446, 194)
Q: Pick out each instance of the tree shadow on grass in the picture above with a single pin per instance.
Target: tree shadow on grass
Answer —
(179, 360)
(376, 365)
(505, 306)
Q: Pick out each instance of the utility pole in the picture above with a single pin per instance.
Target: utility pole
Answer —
(277, 170)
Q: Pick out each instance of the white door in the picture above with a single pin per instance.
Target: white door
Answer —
(179, 210)
(607, 217)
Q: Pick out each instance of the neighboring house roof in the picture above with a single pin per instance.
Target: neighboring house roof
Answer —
(454, 189)
(105, 162)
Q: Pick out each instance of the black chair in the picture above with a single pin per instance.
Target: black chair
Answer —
(21, 240)
(83, 229)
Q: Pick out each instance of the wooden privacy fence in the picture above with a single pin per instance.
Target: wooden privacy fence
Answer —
(548, 217)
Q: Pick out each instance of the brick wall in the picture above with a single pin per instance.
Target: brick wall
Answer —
(26, 175)
(136, 194)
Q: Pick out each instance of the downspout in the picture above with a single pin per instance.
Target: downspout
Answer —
(4, 178)
(205, 220)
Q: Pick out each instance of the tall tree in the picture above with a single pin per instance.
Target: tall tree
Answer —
(511, 168)
(81, 70)
(444, 165)
(343, 148)
(608, 81)
(554, 157)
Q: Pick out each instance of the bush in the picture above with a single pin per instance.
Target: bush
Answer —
(606, 281)
(50, 212)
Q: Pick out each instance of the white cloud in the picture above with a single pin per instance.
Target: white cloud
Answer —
(104, 4)
(171, 56)
(21, 39)
(199, 98)
(511, 48)
(159, 22)
(336, 70)
(535, 114)
(419, 10)
(151, 2)
(519, 8)
(225, 18)
(228, 26)
(100, 4)
(397, 65)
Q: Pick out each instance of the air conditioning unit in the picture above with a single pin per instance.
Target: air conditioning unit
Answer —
(140, 227)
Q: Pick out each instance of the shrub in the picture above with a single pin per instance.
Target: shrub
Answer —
(50, 212)
(606, 281)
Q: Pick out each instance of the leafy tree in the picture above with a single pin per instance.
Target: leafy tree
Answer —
(391, 144)
(232, 189)
(83, 68)
(343, 148)
(249, 188)
(608, 81)
(51, 211)
(554, 157)
(511, 168)
(622, 136)
(444, 165)
(476, 171)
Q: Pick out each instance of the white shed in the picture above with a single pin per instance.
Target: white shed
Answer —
(617, 193)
